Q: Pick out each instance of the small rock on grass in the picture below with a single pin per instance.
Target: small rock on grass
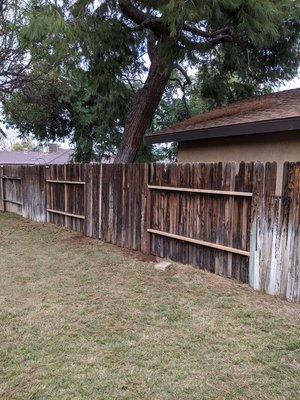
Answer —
(163, 266)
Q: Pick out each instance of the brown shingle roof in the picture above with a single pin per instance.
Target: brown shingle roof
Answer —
(280, 105)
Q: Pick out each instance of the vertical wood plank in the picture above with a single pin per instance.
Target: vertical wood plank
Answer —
(1, 189)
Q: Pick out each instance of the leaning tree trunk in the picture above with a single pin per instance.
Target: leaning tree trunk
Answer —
(143, 108)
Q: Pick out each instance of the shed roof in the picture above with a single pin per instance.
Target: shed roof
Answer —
(261, 114)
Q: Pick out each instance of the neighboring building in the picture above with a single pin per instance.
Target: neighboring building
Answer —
(55, 155)
(264, 128)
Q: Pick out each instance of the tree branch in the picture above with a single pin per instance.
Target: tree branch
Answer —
(184, 73)
(184, 99)
(151, 47)
(142, 19)
(208, 35)
(208, 44)
(195, 31)
(190, 44)
(154, 24)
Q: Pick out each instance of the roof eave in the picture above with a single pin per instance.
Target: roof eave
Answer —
(271, 126)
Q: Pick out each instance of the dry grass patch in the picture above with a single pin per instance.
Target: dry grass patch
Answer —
(84, 320)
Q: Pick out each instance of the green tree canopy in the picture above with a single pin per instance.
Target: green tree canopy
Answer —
(110, 68)
(25, 146)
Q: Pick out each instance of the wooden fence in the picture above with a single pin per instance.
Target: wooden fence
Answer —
(224, 218)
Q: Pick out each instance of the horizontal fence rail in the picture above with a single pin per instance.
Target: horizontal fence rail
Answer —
(12, 178)
(222, 217)
(204, 191)
(65, 213)
(65, 182)
(201, 242)
(13, 202)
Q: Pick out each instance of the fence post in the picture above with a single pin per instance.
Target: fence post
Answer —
(100, 203)
(289, 239)
(146, 213)
(1, 189)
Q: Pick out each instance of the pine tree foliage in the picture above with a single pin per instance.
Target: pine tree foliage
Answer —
(15, 62)
(100, 59)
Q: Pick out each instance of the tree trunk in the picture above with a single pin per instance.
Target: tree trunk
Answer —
(143, 108)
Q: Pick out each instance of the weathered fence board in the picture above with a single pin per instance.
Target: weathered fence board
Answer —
(33, 180)
(1, 189)
(208, 207)
(12, 189)
(66, 200)
(275, 260)
(224, 218)
(92, 200)
(123, 205)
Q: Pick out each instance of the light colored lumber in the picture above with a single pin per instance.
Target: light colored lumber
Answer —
(66, 182)
(65, 213)
(207, 191)
(201, 242)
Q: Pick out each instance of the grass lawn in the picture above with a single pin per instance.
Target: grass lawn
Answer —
(80, 319)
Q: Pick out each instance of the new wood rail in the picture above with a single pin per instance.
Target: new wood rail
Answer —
(50, 210)
(66, 182)
(207, 191)
(201, 242)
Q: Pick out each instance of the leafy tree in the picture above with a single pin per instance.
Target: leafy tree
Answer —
(15, 62)
(100, 52)
(25, 146)
(193, 31)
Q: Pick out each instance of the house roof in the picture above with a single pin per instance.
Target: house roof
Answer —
(274, 112)
(36, 158)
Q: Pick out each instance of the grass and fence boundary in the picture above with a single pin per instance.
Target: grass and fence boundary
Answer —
(225, 218)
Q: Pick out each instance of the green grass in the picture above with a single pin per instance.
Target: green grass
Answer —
(83, 320)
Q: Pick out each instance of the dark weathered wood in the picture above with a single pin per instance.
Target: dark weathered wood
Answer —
(12, 189)
(34, 192)
(124, 205)
(68, 199)
(209, 215)
(200, 213)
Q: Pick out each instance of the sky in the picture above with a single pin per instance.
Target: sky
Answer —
(12, 135)
(293, 84)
